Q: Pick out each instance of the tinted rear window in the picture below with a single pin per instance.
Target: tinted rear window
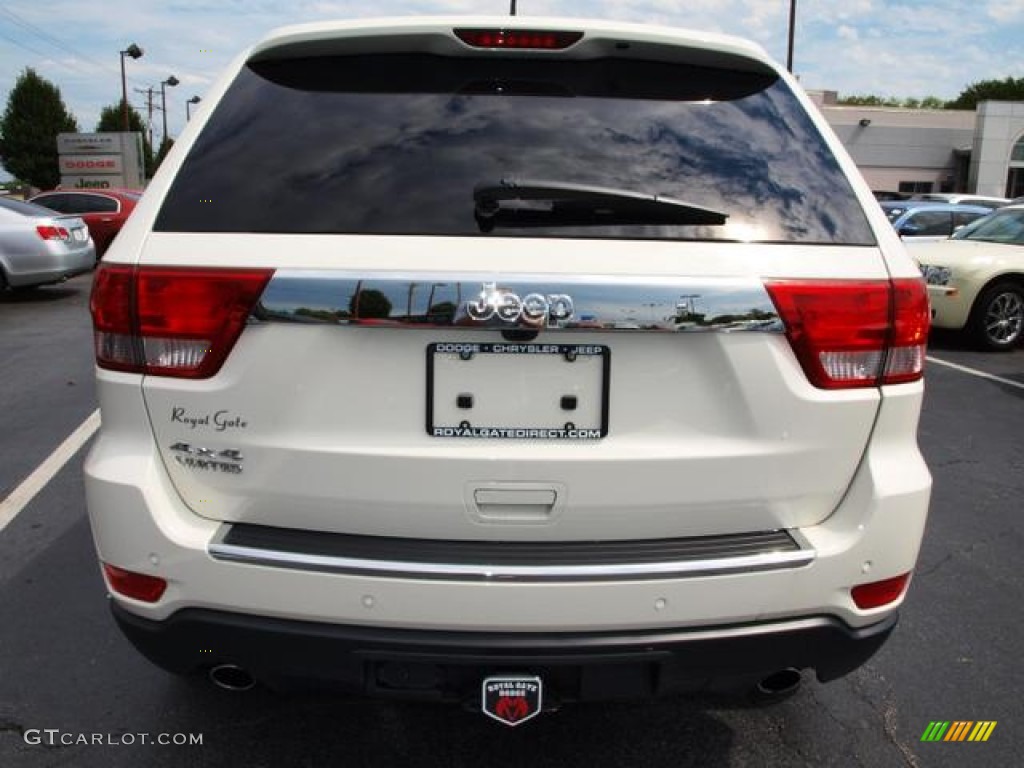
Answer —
(94, 203)
(25, 209)
(396, 144)
(56, 202)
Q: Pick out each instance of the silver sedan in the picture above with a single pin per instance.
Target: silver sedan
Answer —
(39, 246)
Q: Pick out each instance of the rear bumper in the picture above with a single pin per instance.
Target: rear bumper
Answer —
(140, 524)
(449, 666)
(51, 267)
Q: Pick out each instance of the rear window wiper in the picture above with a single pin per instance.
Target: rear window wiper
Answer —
(533, 203)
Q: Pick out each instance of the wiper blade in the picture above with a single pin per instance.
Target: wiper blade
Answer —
(531, 203)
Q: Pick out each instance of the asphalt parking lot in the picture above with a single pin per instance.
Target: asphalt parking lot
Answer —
(66, 669)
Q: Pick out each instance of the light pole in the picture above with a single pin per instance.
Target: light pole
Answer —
(171, 81)
(135, 52)
(193, 100)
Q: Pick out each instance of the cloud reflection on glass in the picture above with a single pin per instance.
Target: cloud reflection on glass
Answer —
(282, 158)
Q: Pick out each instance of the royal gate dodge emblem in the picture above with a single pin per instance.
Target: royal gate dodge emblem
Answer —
(512, 700)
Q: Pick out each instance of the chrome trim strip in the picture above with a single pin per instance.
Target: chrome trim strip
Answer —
(768, 561)
(467, 300)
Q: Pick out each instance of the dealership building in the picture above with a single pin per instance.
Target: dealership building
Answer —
(933, 150)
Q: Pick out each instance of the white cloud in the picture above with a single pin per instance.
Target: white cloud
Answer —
(1005, 11)
(894, 47)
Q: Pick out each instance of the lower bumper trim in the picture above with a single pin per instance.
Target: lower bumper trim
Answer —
(448, 666)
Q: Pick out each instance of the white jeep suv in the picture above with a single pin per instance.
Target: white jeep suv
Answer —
(508, 361)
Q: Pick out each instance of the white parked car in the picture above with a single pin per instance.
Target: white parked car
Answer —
(976, 279)
(959, 198)
(929, 222)
(510, 362)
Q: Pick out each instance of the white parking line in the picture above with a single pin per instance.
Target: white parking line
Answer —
(975, 372)
(34, 483)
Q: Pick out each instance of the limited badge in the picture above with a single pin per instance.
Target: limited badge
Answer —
(512, 699)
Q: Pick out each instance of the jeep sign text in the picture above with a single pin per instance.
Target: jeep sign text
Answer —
(533, 308)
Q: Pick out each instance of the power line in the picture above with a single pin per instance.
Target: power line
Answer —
(42, 36)
(20, 44)
(46, 37)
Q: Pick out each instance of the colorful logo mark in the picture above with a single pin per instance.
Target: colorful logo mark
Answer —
(958, 730)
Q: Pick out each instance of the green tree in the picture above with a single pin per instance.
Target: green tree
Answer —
(165, 147)
(112, 121)
(35, 114)
(1009, 89)
(442, 311)
(370, 303)
(868, 100)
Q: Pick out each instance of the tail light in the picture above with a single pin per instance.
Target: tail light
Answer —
(855, 333)
(879, 593)
(138, 586)
(51, 232)
(521, 39)
(170, 321)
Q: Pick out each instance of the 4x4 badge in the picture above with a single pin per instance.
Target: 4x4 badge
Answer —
(512, 699)
(226, 460)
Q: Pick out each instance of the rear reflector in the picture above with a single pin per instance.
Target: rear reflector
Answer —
(171, 321)
(522, 39)
(52, 233)
(879, 593)
(911, 321)
(137, 586)
(855, 333)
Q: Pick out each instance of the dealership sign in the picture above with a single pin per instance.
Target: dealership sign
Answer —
(79, 164)
(100, 160)
(88, 143)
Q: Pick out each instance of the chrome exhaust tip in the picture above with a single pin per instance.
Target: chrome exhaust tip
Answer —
(781, 683)
(231, 678)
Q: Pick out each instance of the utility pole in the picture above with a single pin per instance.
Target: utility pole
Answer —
(149, 110)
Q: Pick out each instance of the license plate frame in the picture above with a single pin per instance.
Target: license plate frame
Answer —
(589, 383)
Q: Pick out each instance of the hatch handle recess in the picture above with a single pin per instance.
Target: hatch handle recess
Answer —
(514, 502)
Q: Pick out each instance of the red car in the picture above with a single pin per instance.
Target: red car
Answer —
(104, 210)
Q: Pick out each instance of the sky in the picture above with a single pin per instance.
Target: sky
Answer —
(901, 48)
